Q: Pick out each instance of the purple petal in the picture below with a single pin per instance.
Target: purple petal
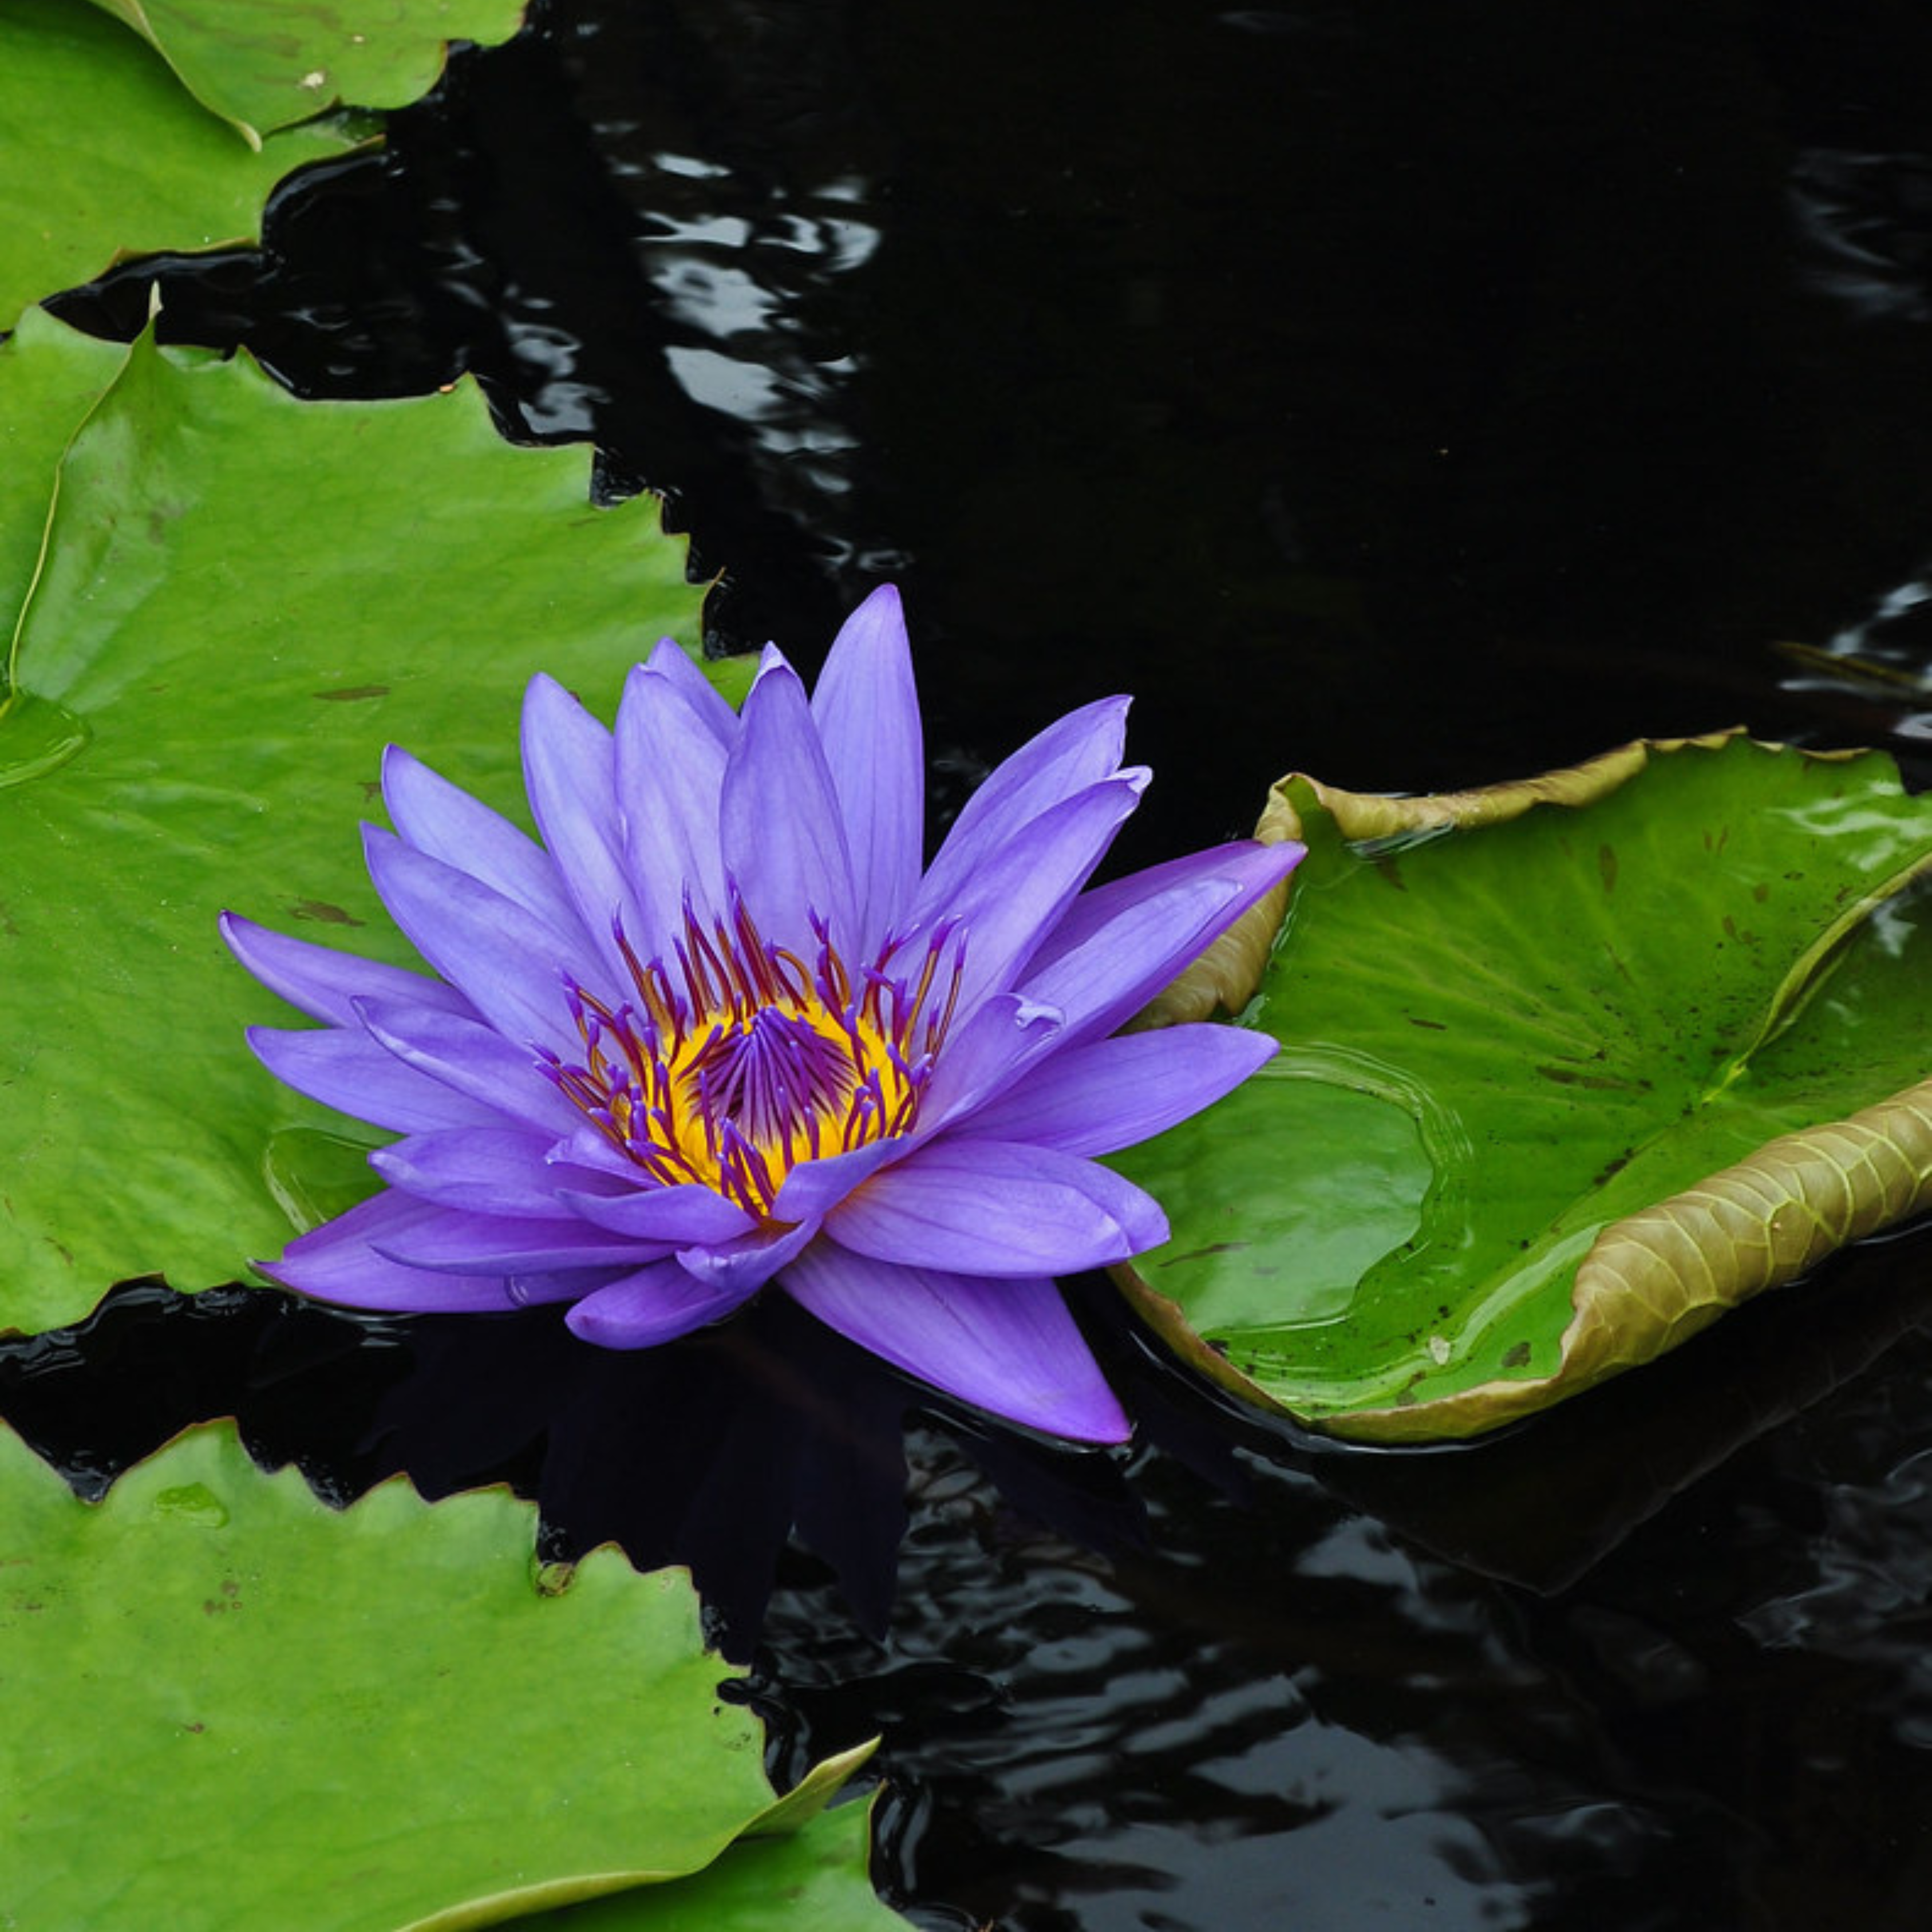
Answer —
(656, 1304)
(993, 1048)
(323, 982)
(1078, 750)
(508, 963)
(1009, 1347)
(529, 1291)
(586, 1147)
(670, 776)
(453, 1239)
(443, 821)
(867, 710)
(496, 1170)
(348, 1070)
(570, 774)
(737, 1267)
(783, 836)
(1122, 942)
(671, 1216)
(1021, 890)
(1097, 1098)
(813, 1187)
(1241, 861)
(993, 1207)
(703, 704)
(336, 1262)
(474, 1060)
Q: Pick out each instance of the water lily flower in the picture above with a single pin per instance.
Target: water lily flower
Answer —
(720, 1030)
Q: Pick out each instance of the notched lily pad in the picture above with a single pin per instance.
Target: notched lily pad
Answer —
(231, 1706)
(263, 64)
(195, 567)
(1581, 1061)
(121, 160)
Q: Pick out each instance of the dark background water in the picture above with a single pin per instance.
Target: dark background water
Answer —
(1418, 395)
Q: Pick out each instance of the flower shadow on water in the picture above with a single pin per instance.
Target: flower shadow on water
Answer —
(719, 1451)
(713, 1453)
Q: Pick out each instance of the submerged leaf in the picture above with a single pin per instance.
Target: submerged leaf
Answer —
(211, 1677)
(1530, 1035)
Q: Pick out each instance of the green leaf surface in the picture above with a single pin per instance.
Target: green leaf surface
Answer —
(814, 1880)
(1656, 988)
(262, 64)
(106, 156)
(229, 1706)
(244, 598)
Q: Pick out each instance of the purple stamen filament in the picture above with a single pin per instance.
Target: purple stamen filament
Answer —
(737, 1060)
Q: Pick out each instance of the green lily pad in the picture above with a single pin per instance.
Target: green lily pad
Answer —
(243, 599)
(812, 1880)
(262, 64)
(65, 375)
(230, 1706)
(1567, 1069)
(120, 160)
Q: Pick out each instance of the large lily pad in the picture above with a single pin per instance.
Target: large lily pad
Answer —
(262, 64)
(1567, 1069)
(106, 155)
(242, 599)
(229, 1706)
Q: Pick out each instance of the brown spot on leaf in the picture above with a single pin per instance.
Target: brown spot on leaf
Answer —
(322, 911)
(1434, 1026)
(351, 694)
(1517, 1357)
(1607, 868)
(1570, 1076)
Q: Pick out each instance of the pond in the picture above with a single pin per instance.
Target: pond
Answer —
(1418, 397)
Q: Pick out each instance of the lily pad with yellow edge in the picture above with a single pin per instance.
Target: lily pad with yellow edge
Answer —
(1568, 1068)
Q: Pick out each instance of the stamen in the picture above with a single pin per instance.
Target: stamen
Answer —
(738, 1060)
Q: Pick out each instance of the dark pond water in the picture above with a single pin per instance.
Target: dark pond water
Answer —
(1416, 395)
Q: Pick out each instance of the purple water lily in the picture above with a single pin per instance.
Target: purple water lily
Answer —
(719, 1029)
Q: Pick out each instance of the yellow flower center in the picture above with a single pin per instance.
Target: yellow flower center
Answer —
(745, 1061)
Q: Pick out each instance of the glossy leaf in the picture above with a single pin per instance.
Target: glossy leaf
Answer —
(120, 159)
(262, 64)
(811, 1880)
(243, 599)
(230, 1706)
(1568, 1067)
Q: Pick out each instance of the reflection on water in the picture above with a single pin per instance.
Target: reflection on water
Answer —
(1884, 657)
(1864, 223)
